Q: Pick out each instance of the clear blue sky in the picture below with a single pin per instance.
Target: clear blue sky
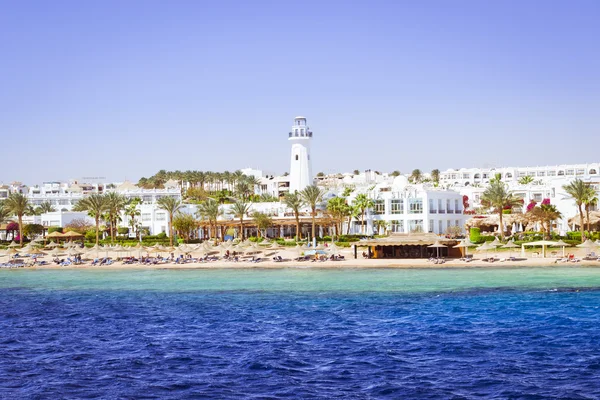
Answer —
(124, 88)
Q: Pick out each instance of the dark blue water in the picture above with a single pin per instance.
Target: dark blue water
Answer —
(492, 343)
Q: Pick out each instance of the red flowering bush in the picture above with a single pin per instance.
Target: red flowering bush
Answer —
(546, 202)
(531, 205)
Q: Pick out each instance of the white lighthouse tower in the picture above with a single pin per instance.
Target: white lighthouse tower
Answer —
(300, 170)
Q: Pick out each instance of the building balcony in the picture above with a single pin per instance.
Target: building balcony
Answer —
(305, 135)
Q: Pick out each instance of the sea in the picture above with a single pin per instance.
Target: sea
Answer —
(301, 333)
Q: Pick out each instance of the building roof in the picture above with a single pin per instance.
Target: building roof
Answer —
(408, 239)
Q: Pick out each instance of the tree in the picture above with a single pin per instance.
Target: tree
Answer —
(211, 211)
(497, 197)
(435, 176)
(312, 196)
(33, 229)
(185, 224)
(18, 204)
(591, 201)
(95, 204)
(525, 180)
(79, 225)
(416, 176)
(132, 211)
(545, 214)
(356, 172)
(45, 207)
(353, 213)
(395, 173)
(240, 209)
(320, 174)
(362, 202)
(580, 192)
(262, 221)
(295, 202)
(379, 224)
(497, 178)
(171, 205)
(338, 209)
(115, 204)
(4, 213)
(267, 198)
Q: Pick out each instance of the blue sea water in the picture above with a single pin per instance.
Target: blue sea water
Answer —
(301, 334)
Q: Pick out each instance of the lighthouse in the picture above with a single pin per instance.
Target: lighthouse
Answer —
(300, 170)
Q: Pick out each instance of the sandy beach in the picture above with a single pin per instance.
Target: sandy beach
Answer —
(289, 256)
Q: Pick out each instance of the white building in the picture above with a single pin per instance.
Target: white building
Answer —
(300, 163)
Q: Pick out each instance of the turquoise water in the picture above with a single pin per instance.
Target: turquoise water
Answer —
(520, 333)
(310, 280)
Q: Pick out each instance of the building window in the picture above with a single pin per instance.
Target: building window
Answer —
(476, 176)
(296, 132)
(296, 157)
(561, 173)
(570, 172)
(551, 173)
(440, 228)
(456, 222)
(415, 206)
(415, 226)
(440, 208)
(521, 174)
(449, 209)
(456, 207)
(397, 226)
(531, 173)
(161, 216)
(397, 206)
(466, 176)
(146, 217)
(448, 224)
(431, 226)
(432, 209)
(541, 173)
(379, 207)
(592, 171)
(508, 175)
(580, 172)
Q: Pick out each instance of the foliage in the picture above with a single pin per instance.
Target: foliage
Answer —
(33, 229)
(435, 176)
(55, 229)
(262, 220)
(581, 193)
(171, 205)
(312, 196)
(239, 210)
(210, 210)
(95, 204)
(498, 197)
(525, 180)
(267, 198)
(295, 202)
(123, 230)
(416, 176)
(196, 194)
(465, 202)
(362, 202)
(453, 231)
(338, 209)
(475, 235)
(395, 173)
(18, 204)
(44, 208)
(79, 225)
(185, 224)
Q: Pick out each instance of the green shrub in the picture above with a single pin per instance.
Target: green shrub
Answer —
(475, 235)
(55, 229)
(161, 235)
(574, 236)
(123, 230)
(90, 235)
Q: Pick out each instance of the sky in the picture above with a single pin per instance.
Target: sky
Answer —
(122, 89)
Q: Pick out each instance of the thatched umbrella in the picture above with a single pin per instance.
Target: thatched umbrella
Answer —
(465, 244)
(55, 234)
(437, 245)
(562, 244)
(510, 245)
(56, 252)
(13, 244)
(52, 245)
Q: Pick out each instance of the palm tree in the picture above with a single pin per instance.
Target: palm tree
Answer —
(580, 192)
(115, 204)
(262, 221)
(45, 207)
(211, 211)
(18, 204)
(312, 196)
(546, 213)
(338, 209)
(362, 202)
(590, 202)
(353, 212)
(133, 211)
(295, 202)
(4, 213)
(435, 176)
(416, 176)
(95, 204)
(240, 209)
(380, 223)
(499, 198)
(525, 180)
(171, 205)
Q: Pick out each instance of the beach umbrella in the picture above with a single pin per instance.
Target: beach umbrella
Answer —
(13, 244)
(333, 248)
(542, 243)
(487, 246)
(437, 245)
(588, 244)
(52, 245)
(55, 252)
(496, 243)
(510, 245)
(38, 239)
(465, 243)
(562, 244)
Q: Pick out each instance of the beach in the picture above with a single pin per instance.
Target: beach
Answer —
(289, 256)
